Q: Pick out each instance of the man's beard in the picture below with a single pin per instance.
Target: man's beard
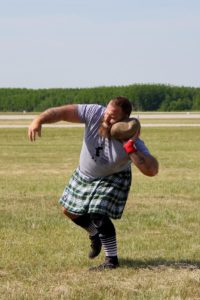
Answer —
(104, 130)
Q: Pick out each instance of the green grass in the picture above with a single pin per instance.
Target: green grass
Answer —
(44, 255)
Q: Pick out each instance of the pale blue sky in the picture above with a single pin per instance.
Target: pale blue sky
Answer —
(87, 43)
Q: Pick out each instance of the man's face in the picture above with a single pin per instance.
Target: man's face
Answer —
(112, 115)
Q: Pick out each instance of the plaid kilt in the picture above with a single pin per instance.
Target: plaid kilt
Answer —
(104, 195)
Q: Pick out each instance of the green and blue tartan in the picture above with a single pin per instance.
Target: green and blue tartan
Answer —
(104, 195)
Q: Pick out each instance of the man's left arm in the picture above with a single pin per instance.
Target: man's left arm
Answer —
(145, 162)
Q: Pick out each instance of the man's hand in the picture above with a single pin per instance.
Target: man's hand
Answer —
(34, 129)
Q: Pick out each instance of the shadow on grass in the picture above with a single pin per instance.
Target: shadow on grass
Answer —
(159, 263)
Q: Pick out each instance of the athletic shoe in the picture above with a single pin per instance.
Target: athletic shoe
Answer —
(109, 264)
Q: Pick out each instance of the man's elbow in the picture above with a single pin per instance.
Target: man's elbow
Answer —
(153, 171)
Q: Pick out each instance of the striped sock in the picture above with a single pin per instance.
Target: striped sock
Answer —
(91, 229)
(109, 245)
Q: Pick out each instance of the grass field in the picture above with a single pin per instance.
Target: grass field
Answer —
(44, 255)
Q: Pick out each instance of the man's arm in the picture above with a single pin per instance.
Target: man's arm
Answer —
(67, 113)
(146, 163)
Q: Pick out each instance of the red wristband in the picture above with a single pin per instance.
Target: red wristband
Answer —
(129, 147)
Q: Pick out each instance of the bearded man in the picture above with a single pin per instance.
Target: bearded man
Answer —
(98, 189)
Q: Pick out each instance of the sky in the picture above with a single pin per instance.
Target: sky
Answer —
(90, 43)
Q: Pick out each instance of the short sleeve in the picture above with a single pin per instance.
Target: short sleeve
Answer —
(140, 145)
(87, 112)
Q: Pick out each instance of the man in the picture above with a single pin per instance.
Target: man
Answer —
(99, 187)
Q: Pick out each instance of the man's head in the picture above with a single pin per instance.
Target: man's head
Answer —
(124, 104)
(118, 109)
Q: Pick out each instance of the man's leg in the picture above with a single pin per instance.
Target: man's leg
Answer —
(84, 221)
(107, 236)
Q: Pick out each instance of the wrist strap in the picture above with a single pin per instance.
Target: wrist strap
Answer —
(129, 147)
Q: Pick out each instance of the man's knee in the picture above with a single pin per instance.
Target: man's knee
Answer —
(69, 215)
(103, 224)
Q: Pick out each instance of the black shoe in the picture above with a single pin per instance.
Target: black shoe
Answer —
(110, 263)
(95, 246)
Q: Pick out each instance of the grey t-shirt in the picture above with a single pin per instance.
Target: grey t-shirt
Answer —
(101, 156)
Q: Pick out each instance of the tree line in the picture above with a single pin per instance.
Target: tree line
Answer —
(144, 97)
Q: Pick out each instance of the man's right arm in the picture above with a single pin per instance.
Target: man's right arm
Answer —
(67, 113)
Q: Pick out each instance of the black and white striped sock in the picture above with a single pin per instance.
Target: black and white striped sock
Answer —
(109, 245)
(91, 229)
